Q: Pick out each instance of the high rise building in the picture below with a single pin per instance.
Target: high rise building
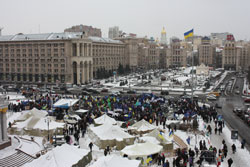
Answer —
(163, 37)
(86, 30)
(206, 52)
(114, 32)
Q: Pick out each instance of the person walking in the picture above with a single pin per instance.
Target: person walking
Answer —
(234, 148)
(218, 160)
(243, 143)
(90, 146)
(230, 162)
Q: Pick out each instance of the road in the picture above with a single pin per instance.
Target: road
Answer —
(228, 102)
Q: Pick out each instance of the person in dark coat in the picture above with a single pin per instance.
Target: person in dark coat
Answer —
(90, 146)
(233, 148)
(230, 162)
(243, 143)
(105, 152)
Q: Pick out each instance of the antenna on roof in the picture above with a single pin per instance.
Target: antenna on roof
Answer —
(1, 28)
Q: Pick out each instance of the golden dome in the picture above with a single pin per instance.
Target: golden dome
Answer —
(163, 31)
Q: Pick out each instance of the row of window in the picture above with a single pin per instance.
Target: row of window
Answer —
(31, 65)
(30, 70)
(32, 60)
(32, 45)
(33, 78)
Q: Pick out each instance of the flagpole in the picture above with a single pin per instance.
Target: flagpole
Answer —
(192, 98)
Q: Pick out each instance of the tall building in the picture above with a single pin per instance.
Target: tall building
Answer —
(206, 52)
(229, 55)
(4, 141)
(114, 32)
(177, 56)
(163, 37)
(57, 57)
(86, 30)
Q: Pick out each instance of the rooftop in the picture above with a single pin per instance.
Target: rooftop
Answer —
(54, 36)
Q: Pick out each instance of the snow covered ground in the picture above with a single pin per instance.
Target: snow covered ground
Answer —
(240, 159)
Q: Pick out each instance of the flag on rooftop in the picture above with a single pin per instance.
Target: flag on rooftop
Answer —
(189, 34)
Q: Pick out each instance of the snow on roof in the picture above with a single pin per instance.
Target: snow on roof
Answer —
(61, 156)
(114, 161)
(43, 36)
(65, 102)
(108, 131)
(141, 149)
(142, 126)
(81, 111)
(43, 125)
(105, 119)
(36, 119)
(188, 70)
(32, 113)
(105, 40)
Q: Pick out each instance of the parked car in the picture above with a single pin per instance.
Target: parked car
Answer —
(104, 90)
(164, 92)
(131, 92)
(218, 105)
(238, 111)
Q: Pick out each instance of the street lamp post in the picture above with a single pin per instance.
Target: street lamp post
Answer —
(47, 120)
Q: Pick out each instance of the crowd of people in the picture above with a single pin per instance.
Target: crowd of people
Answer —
(154, 109)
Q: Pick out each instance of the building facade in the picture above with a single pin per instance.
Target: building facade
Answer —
(58, 58)
(86, 30)
(107, 55)
(114, 32)
(206, 52)
(177, 56)
(4, 141)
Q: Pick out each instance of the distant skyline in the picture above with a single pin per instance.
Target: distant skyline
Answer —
(142, 17)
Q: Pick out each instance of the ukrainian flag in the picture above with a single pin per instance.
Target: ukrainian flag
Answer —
(189, 34)
(171, 133)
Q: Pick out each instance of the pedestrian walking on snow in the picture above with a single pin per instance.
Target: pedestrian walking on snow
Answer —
(230, 162)
(234, 148)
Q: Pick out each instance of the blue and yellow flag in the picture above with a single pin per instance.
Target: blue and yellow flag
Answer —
(189, 34)
(171, 133)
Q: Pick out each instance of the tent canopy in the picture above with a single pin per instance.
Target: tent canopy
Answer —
(109, 132)
(114, 161)
(141, 149)
(142, 126)
(61, 156)
(65, 103)
(105, 119)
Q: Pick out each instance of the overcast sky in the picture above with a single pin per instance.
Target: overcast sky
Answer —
(143, 17)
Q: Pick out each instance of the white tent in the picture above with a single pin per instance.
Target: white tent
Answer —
(105, 119)
(65, 103)
(141, 150)
(142, 127)
(115, 161)
(61, 156)
(32, 113)
(108, 134)
(36, 119)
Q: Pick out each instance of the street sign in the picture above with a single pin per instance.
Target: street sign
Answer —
(234, 134)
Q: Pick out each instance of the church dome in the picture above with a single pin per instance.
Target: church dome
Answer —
(163, 31)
